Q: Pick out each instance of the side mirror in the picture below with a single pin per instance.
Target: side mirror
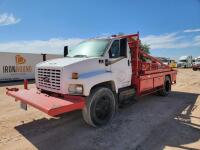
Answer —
(107, 62)
(110, 54)
(44, 58)
(65, 51)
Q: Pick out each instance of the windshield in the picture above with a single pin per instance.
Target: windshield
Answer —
(165, 61)
(90, 48)
(182, 60)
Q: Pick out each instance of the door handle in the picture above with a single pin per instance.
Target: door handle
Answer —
(128, 62)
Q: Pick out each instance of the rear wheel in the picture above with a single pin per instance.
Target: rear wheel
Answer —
(194, 69)
(166, 88)
(100, 107)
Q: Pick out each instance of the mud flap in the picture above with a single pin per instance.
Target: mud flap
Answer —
(23, 106)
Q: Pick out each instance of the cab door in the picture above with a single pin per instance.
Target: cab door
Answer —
(119, 62)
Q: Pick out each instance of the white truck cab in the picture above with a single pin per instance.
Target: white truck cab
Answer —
(185, 62)
(88, 64)
(197, 60)
(196, 64)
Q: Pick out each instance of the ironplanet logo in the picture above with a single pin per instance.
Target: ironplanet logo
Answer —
(20, 60)
(19, 67)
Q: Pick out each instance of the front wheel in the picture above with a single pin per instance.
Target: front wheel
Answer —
(100, 107)
(194, 69)
(166, 87)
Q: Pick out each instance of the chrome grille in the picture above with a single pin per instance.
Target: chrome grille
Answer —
(49, 79)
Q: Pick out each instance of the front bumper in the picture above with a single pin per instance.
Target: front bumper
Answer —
(50, 105)
(196, 66)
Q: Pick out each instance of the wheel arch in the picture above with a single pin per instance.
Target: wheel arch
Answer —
(109, 84)
(170, 78)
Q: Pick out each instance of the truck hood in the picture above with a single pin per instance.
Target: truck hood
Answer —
(61, 62)
(166, 63)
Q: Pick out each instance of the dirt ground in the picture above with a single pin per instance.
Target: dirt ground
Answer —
(152, 123)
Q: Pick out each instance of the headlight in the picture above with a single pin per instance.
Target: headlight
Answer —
(75, 89)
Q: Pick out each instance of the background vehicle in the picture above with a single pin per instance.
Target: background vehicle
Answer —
(196, 64)
(167, 61)
(164, 60)
(19, 66)
(172, 63)
(185, 62)
(96, 76)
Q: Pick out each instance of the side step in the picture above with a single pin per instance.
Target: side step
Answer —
(48, 104)
(126, 93)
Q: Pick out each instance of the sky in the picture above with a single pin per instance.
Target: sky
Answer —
(171, 28)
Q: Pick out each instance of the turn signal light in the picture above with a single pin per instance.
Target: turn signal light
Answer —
(75, 75)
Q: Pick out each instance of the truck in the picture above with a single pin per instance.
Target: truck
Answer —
(172, 63)
(165, 60)
(19, 66)
(96, 76)
(185, 62)
(196, 64)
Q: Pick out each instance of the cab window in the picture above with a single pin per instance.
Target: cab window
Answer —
(114, 50)
(118, 49)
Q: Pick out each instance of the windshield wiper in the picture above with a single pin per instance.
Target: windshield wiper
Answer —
(80, 56)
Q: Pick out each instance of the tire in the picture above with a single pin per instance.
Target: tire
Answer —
(100, 107)
(194, 69)
(166, 88)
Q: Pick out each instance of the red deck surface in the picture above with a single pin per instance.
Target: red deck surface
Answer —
(51, 105)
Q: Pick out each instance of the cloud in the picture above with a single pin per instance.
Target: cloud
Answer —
(8, 19)
(197, 40)
(55, 45)
(52, 46)
(166, 41)
(192, 30)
